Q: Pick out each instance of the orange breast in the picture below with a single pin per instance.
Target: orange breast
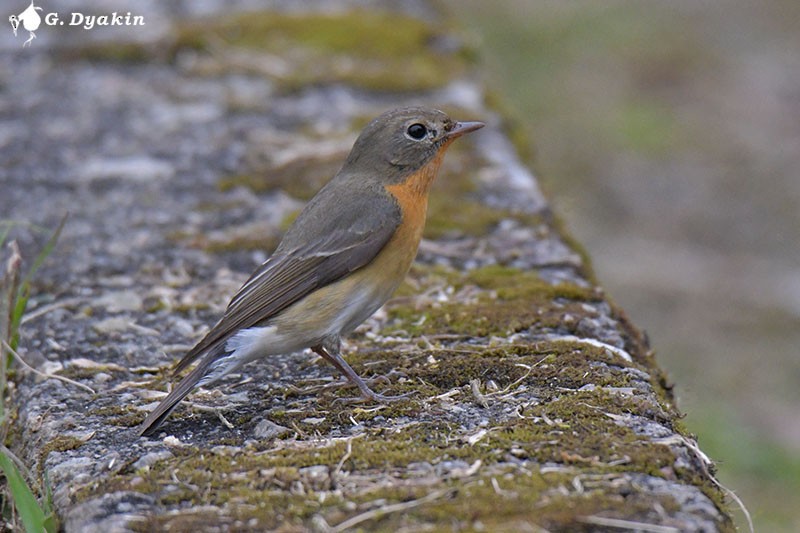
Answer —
(412, 195)
(342, 305)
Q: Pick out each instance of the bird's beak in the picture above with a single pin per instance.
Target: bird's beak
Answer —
(463, 127)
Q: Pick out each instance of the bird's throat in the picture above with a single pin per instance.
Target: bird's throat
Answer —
(419, 183)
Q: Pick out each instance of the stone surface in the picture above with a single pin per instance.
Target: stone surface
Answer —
(536, 404)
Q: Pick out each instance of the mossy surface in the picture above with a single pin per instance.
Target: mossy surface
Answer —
(372, 49)
(362, 48)
(494, 300)
(541, 431)
(300, 178)
(545, 435)
(62, 443)
(119, 415)
(289, 484)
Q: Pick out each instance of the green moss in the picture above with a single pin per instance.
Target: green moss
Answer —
(62, 444)
(119, 415)
(81, 372)
(584, 437)
(155, 305)
(495, 504)
(330, 32)
(511, 282)
(58, 444)
(365, 48)
(510, 300)
(552, 367)
(376, 50)
(258, 483)
(448, 216)
(557, 428)
(191, 307)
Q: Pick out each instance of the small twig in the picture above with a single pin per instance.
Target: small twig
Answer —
(446, 395)
(503, 493)
(186, 484)
(386, 509)
(45, 375)
(345, 457)
(520, 380)
(224, 420)
(43, 310)
(447, 336)
(303, 434)
(475, 385)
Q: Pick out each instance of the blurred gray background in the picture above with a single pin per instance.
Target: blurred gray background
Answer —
(668, 137)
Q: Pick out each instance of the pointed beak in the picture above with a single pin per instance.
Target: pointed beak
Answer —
(462, 128)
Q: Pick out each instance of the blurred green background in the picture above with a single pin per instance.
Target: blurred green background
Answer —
(668, 136)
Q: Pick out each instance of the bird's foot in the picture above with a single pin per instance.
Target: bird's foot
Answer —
(373, 396)
(331, 353)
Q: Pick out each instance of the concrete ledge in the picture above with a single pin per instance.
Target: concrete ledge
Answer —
(537, 405)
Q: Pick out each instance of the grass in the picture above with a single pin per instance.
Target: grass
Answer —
(34, 514)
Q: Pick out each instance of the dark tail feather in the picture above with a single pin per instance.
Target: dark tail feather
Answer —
(186, 385)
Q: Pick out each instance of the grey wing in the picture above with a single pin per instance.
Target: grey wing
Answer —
(297, 269)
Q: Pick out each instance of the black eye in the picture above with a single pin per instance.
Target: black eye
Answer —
(417, 131)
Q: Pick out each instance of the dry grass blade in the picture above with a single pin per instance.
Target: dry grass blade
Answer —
(10, 288)
(627, 525)
(387, 509)
(45, 375)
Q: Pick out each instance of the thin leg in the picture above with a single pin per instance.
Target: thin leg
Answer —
(330, 350)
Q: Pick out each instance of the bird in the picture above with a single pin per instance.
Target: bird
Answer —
(30, 21)
(341, 259)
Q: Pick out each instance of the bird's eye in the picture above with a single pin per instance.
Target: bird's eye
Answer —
(417, 131)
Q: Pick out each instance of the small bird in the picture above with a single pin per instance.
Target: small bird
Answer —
(30, 21)
(342, 258)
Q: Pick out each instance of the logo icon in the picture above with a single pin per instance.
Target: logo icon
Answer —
(30, 20)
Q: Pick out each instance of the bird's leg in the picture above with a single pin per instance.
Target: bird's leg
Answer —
(28, 42)
(331, 351)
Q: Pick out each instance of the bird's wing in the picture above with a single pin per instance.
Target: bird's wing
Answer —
(337, 243)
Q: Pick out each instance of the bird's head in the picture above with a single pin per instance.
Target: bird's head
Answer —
(402, 141)
(14, 23)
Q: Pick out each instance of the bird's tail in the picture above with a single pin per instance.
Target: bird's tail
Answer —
(184, 387)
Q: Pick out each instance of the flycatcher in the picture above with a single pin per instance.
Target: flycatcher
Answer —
(342, 258)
